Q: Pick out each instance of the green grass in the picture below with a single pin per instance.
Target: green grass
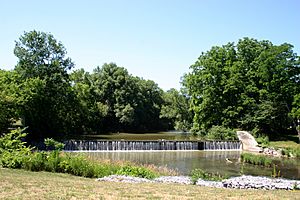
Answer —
(256, 159)
(289, 147)
(284, 144)
(20, 184)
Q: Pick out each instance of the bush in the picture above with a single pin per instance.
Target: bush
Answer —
(263, 141)
(221, 133)
(78, 165)
(201, 174)
(35, 161)
(137, 172)
(13, 150)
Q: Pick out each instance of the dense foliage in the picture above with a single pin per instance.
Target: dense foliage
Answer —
(52, 110)
(252, 85)
(176, 109)
(112, 100)
(42, 94)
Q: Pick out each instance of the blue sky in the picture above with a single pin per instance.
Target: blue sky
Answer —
(153, 39)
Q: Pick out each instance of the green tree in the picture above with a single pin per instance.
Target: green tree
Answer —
(148, 101)
(112, 93)
(296, 113)
(248, 85)
(176, 110)
(52, 112)
(14, 96)
(112, 100)
(91, 109)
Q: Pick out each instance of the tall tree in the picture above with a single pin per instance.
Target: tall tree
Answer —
(51, 112)
(14, 97)
(112, 100)
(296, 113)
(248, 85)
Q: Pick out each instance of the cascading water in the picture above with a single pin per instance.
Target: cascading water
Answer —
(222, 145)
(122, 145)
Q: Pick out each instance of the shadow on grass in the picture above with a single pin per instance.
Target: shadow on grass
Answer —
(293, 138)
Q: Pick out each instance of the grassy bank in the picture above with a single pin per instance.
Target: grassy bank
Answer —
(20, 184)
(289, 148)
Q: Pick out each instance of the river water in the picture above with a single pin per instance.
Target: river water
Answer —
(211, 161)
(185, 161)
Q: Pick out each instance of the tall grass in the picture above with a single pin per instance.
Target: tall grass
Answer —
(256, 159)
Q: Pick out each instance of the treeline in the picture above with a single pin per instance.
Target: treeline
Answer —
(51, 101)
(252, 85)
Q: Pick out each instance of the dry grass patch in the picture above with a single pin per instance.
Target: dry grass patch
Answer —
(19, 184)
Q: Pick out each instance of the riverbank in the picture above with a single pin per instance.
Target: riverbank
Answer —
(20, 184)
(241, 182)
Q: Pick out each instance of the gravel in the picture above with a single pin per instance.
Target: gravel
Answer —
(124, 179)
(241, 182)
(174, 179)
(257, 182)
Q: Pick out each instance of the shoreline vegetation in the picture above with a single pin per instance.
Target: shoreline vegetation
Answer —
(228, 87)
(20, 184)
(36, 182)
(15, 154)
(249, 85)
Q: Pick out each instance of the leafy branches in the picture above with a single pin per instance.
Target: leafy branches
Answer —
(246, 85)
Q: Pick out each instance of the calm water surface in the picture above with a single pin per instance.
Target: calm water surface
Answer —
(211, 161)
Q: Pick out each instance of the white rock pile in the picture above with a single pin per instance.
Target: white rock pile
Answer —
(174, 179)
(272, 152)
(241, 182)
(257, 182)
(124, 179)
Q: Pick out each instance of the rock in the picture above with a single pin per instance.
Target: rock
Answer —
(217, 184)
(257, 182)
(174, 179)
(249, 142)
(241, 182)
(272, 152)
(125, 179)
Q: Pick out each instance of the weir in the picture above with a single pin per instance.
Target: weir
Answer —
(125, 145)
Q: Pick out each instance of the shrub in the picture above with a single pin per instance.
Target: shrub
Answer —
(221, 133)
(136, 171)
(53, 158)
(263, 141)
(11, 159)
(201, 174)
(81, 166)
(12, 149)
(78, 165)
(35, 161)
(58, 146)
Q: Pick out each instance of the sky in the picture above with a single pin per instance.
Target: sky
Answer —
(152, 39)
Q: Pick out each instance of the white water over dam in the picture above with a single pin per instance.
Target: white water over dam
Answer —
(122, 145)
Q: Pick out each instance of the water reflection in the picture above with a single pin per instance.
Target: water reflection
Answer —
(211, 161)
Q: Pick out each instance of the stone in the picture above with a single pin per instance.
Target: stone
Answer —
(249, 142)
